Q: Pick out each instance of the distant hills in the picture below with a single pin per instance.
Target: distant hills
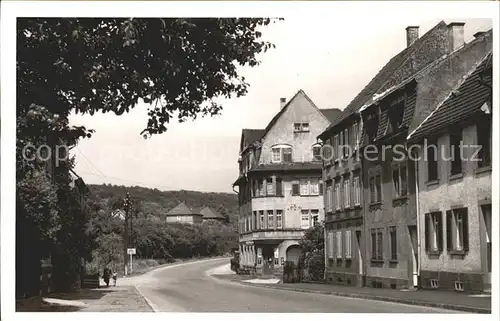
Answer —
(153, 202)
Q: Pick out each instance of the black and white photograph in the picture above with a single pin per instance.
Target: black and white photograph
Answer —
(249, 157)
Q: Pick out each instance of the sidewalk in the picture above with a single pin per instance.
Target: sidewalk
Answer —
(438, 299)
(112, 299)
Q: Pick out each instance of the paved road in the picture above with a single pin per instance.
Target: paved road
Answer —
(188, 288)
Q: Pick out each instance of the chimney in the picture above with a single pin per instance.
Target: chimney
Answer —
(282, 103)
(479, 34)
(411, 35)
(456, 34)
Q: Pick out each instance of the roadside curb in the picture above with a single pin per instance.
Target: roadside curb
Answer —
(151, 304)
(380, 298)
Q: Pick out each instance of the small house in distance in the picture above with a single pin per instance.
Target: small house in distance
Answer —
(211, 216)
(182, 214)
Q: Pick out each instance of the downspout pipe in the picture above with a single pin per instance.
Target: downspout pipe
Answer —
(419, 233)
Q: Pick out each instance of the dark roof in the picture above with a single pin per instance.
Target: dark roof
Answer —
(249, 136)
(382, 77)
(287, 167)
(331, 114)
(471, 95)
(439, 83)
(181, 210)
(209, 214)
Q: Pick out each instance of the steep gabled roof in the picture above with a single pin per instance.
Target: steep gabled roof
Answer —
(282, 110)
(331, 114)
(180, 210)
(250, 136)
(382, 77)
(209, 214)
(467, 99)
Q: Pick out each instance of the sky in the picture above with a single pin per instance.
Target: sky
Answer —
(330, 59)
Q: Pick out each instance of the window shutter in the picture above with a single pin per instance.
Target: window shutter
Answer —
(427, 227)
(440, 231)
(465, 226)
(449, 242)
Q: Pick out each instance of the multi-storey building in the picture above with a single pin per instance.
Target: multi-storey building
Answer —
(347, 258)
(391, 221)
(454, 177)
(280, 186)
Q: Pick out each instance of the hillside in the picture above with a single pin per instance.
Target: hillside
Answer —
(158, 203)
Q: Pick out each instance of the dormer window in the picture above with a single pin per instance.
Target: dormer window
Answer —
(301, 127)
(396, 112)
(281, 154)
(371, 127)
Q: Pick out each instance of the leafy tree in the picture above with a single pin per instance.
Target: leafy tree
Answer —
(87, 65)
(313, 251)
(176, 65)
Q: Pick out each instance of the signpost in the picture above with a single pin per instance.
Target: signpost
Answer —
(131, 251)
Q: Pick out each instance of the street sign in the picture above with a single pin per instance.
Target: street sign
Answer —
(131, 251)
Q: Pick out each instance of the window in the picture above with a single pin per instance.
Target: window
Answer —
(330, 245)
(295, 189)
(433, 232)
(345, 148)
(328, 198)
(371, 127)
(375, 189)
(399, 180)
(347, 194)
(377, 250)
(336, 152)
(396, 111)
(276, 155)
(301, 127)
(314, 186)
(304, 219)
(269, 187)
(394, 244)
(341, 145)
(262, 191)
(320, 187)
(457, 230)
(304, 187)
(348, 244)
(357, 190)
(337, 196)
(261, 220)
(455, 155)
(279, 219)
(327, 150)
(339, 244)
(317, 154)
(270, 219)
(279, 187)
(432, 165)
(355, 130)
(287, 154)
(281, 154)
(254, 226)
(315, 217)
(484, 135)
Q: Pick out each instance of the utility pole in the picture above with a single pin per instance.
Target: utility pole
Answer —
(127, 204)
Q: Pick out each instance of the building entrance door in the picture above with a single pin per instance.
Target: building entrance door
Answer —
(486, 209)
(268, 260)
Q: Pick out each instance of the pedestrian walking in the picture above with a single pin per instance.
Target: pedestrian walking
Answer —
(114, 278)
(106, 275)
